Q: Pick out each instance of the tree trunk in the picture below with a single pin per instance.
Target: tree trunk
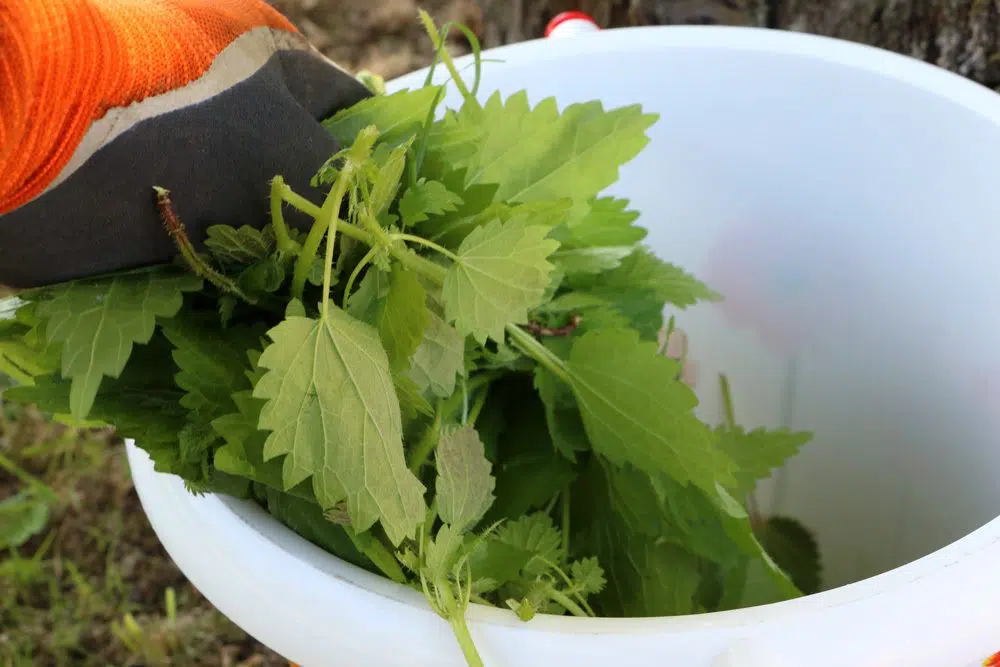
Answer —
(960, 35)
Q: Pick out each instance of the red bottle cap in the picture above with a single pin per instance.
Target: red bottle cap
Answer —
(565, 17)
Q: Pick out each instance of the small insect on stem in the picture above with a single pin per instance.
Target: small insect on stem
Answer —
(537, 329)
(172, 223)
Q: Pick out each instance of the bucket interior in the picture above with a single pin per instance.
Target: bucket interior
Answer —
(851, 220)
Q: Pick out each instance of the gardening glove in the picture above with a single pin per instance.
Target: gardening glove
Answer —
(100, 100)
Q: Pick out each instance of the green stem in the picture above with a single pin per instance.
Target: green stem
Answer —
(200, 267)
(327, 214)
(572, 607)
(425, 267)
(727, 401)
(357, 271)
(331, 239)
(281, 234)
(428, 269)
(729, 412)
(477, 407)
(424, 242)
(565, 524)
(439, 46)
(298, 202)
(532, 348)
(428, 441)
(461, 630)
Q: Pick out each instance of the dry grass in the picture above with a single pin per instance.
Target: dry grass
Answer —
(95, 588)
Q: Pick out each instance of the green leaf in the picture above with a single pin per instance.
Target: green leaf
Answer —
(363, 304)
(494, 563)
(99, 321)
(307, 520)
(651, 578)
(535, 534)
(424, 199)
(442, 553)
(500, 274)
(212, 363)
(588, 576)
(636, 411)
(402, 317)
(464, 483)
(758, 452)
(332, 409)
(239, 245)
(541, 154)
(439, 358)
(590, 260)
(659, 507)
(22, 516)
(794, 549)
(244, 446)
(528, 483)
(452, 226)
(412, 403)
(386, 183)
(565, 423)
(607, 222)
(142, 403)
(394, 115)
(644, 272)
(264, 276)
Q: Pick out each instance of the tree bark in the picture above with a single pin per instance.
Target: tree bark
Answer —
(959, 35)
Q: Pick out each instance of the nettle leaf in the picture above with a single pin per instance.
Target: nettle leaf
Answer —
(239, 245)
(451, 231)
(464, 483)
(607, 222)
(651, 577)
(590, 260)
(758, 452)
(439, 358)
(529, 482)
(212, 363)
(333, 411)
(306, 519)
(363, 304)
(99, 321)
(562, 414)
(402, 317)
(501, 272)
(794, 549)
(535, 534)
(386, 182)
(644, 272)
(442, 553)
(588, 576)
(424, 199)
(661, 508)
(635, 410)
(539, 154)
(394, 115)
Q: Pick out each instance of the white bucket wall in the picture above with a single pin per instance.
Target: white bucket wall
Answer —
(866, 184)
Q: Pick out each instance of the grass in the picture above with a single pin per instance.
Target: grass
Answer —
(88, 583)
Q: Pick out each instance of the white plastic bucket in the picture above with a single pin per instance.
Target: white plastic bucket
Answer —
(847, 201)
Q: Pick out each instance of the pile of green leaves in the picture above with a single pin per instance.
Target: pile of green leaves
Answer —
(452, 375)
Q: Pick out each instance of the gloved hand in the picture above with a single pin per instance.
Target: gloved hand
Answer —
(100, 100)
